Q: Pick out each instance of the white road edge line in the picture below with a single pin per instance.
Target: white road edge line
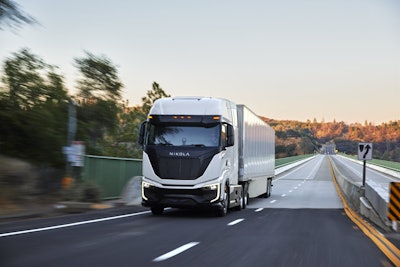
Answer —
(235, 222)
(176, 251)
(72, 224)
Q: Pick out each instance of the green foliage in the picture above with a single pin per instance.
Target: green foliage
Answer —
(11, 15)
(99, 93)
(33, 110)
(152, 95)
(99, 80)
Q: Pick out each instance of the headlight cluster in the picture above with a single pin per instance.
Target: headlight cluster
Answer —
(213, 187)
(145, 185)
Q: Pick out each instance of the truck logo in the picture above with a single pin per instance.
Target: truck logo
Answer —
(179, 154)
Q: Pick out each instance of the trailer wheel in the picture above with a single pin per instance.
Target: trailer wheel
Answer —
(157, 210)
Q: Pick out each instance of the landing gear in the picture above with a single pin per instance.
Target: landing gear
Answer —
(269, 188)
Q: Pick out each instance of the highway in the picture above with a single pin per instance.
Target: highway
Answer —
(303, 223)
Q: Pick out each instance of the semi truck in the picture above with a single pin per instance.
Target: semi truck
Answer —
(204, 152)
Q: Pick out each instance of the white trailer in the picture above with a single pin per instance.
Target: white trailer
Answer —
(204, 152)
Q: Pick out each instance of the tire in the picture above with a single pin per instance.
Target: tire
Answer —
(157, 210)
(241, 203)
(225, 204)
(245, 196)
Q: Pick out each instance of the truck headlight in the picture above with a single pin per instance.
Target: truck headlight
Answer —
(213, 187)
(145, 185)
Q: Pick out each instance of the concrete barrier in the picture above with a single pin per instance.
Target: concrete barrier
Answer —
(370, 201)
(351, 191)
(377, 193)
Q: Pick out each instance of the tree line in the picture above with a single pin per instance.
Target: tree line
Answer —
(294, 137)
(34, 106)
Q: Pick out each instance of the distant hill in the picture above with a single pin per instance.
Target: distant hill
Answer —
(297, 138)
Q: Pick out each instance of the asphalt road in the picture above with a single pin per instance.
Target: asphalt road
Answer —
(314, 231)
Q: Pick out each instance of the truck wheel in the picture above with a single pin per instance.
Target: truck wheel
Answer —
(157, 210)
(225, 204)
(241, 203)
(245, 196)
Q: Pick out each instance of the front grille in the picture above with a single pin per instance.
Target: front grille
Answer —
(188, 167)
(179, 168)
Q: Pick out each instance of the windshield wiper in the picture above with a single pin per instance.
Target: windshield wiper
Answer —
(163, 144)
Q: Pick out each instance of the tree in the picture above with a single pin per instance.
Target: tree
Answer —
(11, 15)
(33, 109)
(99, 80)
(31, 82)
(152, 95)
(99, 94)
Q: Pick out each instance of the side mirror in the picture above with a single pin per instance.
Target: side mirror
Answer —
(142, 132)
(230, 136)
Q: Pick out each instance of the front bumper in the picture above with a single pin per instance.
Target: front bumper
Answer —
(207, 196)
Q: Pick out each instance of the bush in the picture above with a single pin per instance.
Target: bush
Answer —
(82, 192)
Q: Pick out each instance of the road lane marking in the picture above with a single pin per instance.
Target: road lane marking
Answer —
(176, 251)
(283, 195)
(272, 201)
(73, 224)
(235, 222)
(259, 209)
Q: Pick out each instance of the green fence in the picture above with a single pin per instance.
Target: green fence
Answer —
(110, 174)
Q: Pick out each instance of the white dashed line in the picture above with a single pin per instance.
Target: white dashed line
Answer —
(259, 209)
(272, 201)
(176, 251)
(235, 222)
(283, 195)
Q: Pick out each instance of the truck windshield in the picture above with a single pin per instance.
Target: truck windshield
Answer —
(172, 135)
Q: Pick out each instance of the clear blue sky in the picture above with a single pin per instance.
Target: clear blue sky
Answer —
(289, 59)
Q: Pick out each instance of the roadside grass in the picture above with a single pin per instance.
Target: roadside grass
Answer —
(284, 161)
(383, 163)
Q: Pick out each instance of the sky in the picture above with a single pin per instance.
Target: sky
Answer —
(286, 60)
